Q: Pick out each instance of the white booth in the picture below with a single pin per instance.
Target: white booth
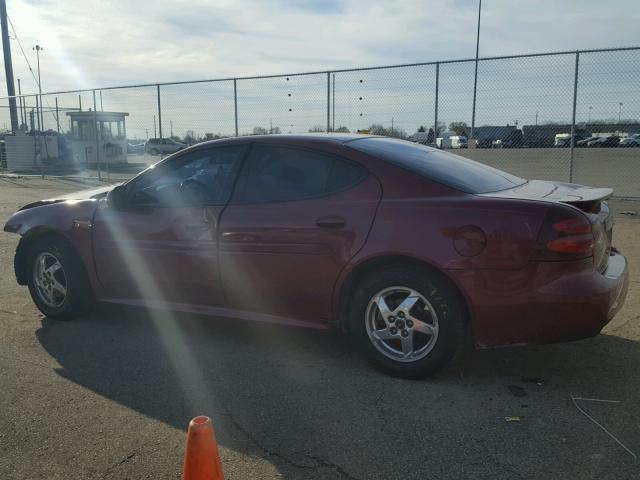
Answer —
(98, 137)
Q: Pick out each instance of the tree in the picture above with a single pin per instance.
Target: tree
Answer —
(459, 127)
(259, 131)
(316, 129)
(377, 129)
(190, 137)
(342, 130)
(422, 128)
(212, 136)
(275, 130)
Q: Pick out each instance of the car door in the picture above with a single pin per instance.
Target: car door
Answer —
(162, 245)
(296, 218)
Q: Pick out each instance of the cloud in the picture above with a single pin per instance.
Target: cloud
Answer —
(97, 43)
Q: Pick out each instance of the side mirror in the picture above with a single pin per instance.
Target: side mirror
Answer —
(117, 197)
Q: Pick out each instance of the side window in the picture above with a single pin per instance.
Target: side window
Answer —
(280, 174)
(203, 177)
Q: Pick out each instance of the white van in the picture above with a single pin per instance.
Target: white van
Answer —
(451, 140)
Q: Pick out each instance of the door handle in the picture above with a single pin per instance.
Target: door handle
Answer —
(331, 222)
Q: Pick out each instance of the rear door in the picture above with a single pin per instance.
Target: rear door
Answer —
(296, 218)
(163, 245)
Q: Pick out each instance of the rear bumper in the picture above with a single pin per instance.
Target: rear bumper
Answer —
(544, 302)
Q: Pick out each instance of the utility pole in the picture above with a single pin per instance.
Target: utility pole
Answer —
(589, 119)
(154, 127)
(147, 132)
(101, 109)
(536, 117)
(38, 49)
(171, 127)
(80, 102)
(8, 66)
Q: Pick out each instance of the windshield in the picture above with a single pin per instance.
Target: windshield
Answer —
(448, 169)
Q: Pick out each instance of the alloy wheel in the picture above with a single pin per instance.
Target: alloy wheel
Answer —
(401, 324)
(50, 280)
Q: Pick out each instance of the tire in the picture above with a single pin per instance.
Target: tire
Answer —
(68, 274)
(437, 304)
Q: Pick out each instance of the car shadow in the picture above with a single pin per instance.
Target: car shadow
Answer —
(303, 401)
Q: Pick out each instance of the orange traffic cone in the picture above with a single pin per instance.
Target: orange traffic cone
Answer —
(201, 458)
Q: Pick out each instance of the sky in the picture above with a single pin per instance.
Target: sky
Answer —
(92, 44)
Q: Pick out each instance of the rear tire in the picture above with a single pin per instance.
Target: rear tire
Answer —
(57, 279)
(424, 314)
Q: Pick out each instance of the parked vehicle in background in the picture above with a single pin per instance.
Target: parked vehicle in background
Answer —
(408, 248)
(156, 146)
(451, 141)
(631, 141)
(564, 139)
(604, 142)
(135, 148)
(585, 141)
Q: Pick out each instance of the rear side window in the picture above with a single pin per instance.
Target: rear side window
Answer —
(451, 170)
(281, 174)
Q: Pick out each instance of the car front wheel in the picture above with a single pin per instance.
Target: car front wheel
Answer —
(407, 321)
(57, 280)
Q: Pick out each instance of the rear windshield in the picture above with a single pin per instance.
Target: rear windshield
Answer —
(451, 170)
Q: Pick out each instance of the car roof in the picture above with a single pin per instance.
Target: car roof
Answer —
(335, 138)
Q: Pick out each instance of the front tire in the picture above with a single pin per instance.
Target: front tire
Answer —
(406, 320)
(57, 280)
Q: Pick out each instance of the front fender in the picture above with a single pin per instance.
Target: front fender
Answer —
(71, 220)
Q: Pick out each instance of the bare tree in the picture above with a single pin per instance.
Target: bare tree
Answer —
(316, 129)
(260, 131)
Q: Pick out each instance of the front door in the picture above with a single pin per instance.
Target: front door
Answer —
(163, 245)
(296, 218)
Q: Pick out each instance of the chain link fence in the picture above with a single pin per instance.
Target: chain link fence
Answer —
(571, 116)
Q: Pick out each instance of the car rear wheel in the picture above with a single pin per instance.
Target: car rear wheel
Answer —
(57, 280)
(407, 321)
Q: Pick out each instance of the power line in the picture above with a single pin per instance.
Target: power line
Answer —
(15, 34)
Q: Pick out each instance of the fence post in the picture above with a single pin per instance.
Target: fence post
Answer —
(573, 117)
(95, 127)
(328, 102)
(435, 116)
(235, 103)
(57, 116)
(159, 119)
(333, 106)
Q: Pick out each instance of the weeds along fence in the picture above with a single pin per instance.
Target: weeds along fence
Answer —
(533, 115)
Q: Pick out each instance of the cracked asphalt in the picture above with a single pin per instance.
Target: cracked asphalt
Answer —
(109, 396)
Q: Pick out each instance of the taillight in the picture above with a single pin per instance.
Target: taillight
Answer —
(566, 234)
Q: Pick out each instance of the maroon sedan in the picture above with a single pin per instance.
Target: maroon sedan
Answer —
(407, 248)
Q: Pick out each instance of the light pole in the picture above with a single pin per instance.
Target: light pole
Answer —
(475, 75)
(619, 111)
(38, 49)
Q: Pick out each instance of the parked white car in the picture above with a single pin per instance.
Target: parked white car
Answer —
(156, 146)
(631, 141)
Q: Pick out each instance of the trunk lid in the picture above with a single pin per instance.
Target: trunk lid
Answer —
(592, 202)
